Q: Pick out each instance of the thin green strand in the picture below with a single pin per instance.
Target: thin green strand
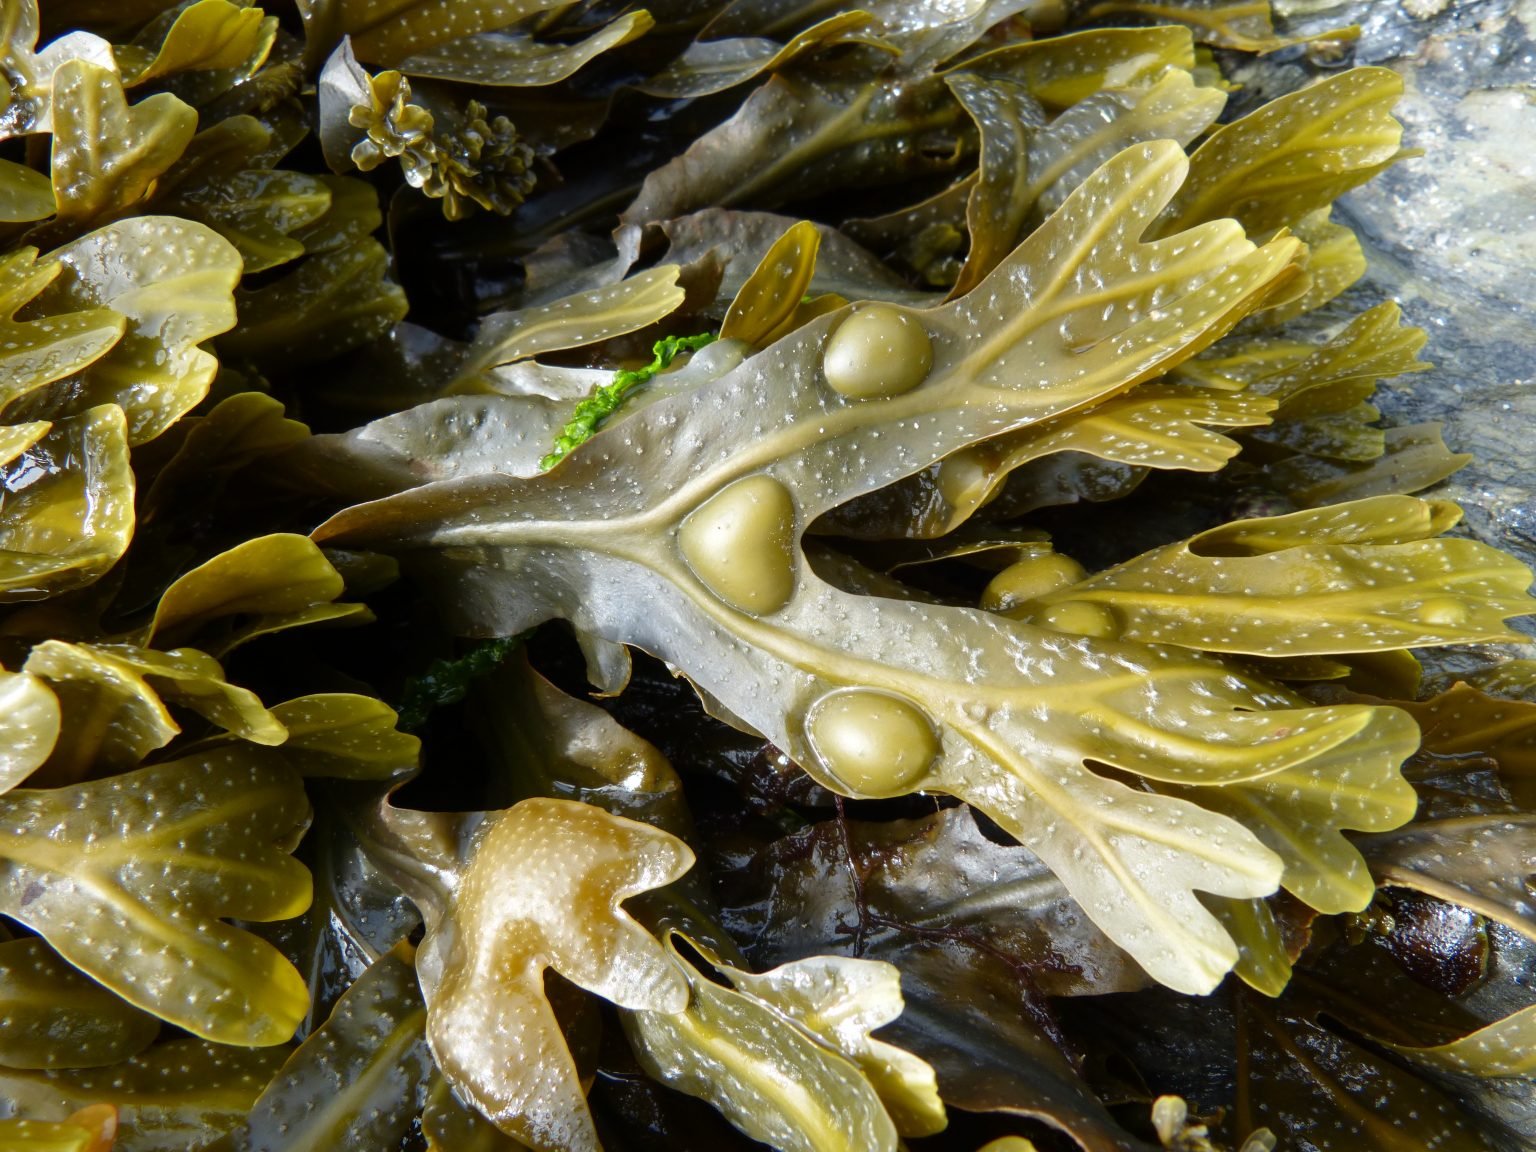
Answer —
(449, 681)
(603, 403)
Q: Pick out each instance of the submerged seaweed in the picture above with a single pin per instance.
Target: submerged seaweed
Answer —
(1044, 759)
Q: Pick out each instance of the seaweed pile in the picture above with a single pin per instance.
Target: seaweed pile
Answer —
(732, 574)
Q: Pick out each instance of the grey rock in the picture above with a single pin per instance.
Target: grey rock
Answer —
(1451, 235)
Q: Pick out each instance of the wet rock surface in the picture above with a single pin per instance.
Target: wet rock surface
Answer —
(1452, 234)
